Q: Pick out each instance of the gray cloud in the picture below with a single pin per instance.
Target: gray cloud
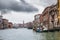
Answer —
(23, 1)
(16, 6)
(46, 3)
(5, 11)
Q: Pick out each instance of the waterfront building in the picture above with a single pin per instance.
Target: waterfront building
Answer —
(20, 25)
(41, 20)
(54, 13)
(58, 12)
(50, 17)
(36, 21)
(53, 19)
(10, 25)
(5, 23)
(34, 25)
(16, 25)
(45, 15)
(29, 25)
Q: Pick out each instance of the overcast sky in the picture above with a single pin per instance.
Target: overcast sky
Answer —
(18, 10)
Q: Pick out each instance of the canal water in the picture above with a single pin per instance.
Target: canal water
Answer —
(27, 34)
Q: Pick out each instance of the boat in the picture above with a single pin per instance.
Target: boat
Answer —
(38, 30)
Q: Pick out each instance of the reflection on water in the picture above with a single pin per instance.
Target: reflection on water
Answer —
(27, 34)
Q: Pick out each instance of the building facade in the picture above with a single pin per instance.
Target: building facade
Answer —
(29, 25)
(58, 12)
(41, 19)
(45, 15)
(50, 17)
(37, 21)
(53, 19)
(5, 23)
(10, 25)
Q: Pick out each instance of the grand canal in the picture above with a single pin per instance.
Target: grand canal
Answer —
(27, 34)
